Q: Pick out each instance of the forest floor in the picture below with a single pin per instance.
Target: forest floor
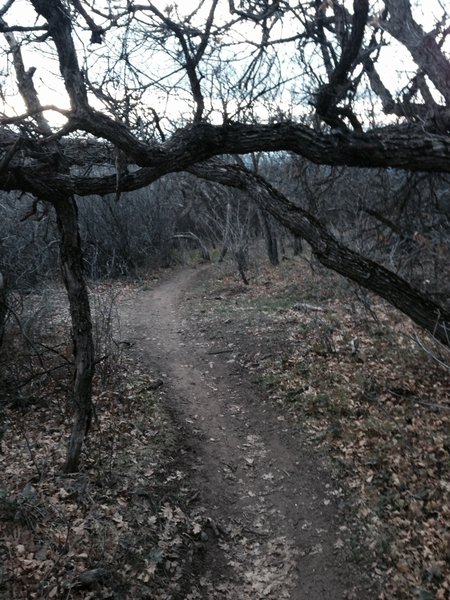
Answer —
(287, 439)
(277, 522)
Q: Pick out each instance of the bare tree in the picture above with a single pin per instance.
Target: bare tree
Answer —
(167, 89)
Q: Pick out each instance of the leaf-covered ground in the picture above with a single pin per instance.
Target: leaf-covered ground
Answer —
(123, 527)
(341, 367)
(281, 520)
(350, 371)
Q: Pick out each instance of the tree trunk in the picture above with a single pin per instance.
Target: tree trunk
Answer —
(367, 273)
(240, 256)
(226, 235)
(271, 239)
(370, 275)
(72, 270)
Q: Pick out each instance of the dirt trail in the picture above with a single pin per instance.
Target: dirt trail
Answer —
(275, 531)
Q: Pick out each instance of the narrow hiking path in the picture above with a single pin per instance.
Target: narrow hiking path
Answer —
(275, 529)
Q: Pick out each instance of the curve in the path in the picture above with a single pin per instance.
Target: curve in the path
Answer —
(261, 488)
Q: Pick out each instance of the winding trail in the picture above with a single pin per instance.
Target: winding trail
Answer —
(275, 529)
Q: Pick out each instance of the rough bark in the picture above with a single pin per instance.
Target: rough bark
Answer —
(83, 347)
(60, 30)
(332, 254)
(398, 147)
(51, 158)
(405, 148)
(423, 47)
(330, 95)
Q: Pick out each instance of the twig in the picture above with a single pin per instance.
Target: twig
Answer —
(194, 497)
(432, 405)
(101, 359)
(53, 349)
(40, 374)
(303, 305)
(216, 527)
(430, 353)
(31, 113)
(24, 433)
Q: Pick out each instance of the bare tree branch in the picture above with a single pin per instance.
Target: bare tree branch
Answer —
(329, 251)
(423, 47)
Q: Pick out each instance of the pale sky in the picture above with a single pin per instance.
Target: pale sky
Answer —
(394, 67)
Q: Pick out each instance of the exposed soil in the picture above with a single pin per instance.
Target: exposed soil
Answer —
(283, 439)
(277, 526)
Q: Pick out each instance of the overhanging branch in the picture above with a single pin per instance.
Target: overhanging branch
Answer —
(332, 254)
(408, 149)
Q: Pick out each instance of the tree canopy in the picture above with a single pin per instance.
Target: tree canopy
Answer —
(169, 88)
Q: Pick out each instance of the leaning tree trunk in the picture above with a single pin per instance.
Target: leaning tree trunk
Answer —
(72, 270)
(370, 275)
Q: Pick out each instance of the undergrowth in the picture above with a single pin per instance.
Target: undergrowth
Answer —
(123, 527)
